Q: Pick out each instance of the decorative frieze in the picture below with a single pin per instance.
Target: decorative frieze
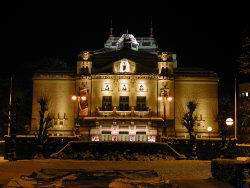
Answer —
(131, 77)
(53, 76)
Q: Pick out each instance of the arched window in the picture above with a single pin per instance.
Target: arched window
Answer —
(124, 66)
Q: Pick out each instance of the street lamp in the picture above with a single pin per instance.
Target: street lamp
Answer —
(163, 99)
(78, 99)
(229, 122)
(209, 129)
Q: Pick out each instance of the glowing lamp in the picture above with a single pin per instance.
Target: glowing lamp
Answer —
(83, 98)
(229, 121)
(170, 99)
(73, 97)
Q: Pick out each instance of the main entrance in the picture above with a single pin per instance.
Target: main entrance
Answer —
(124, 130)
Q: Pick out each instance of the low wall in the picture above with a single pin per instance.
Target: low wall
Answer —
(1, 148)
(26, 147)
(205, 149)
(235, 172)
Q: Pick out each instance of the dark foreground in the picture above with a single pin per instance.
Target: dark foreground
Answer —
(184, 173)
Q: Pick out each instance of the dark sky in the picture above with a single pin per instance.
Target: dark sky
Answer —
(205, 38)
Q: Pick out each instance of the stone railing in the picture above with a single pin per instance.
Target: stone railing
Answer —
(131, 112)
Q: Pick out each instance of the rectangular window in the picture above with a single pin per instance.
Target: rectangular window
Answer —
(146, 44)
(141, 103)
(107, 103)
(124, 103)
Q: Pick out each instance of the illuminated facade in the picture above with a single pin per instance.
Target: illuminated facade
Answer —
(127, 91)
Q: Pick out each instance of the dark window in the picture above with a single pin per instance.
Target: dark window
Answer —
(164, 71)
(107, 103)
(140, 132)
(141, 103)
(123, 132)
(146, 44)
(124, 103)
(106, 132)
(134, 46)
(84, 71)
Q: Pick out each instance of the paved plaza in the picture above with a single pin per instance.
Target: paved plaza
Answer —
(184, 173)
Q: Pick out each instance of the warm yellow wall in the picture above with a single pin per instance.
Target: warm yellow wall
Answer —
(60, 88)
(132, 81)
(169, 106)
(203, 90)
(165, 64)
(59, 91)
(81, 64)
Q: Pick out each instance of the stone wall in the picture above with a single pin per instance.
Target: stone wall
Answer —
(204, 90)
(58, 88)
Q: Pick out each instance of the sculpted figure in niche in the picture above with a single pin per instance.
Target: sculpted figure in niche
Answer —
(141, 88)
(107, 87)
(124, 66)
(124, 87)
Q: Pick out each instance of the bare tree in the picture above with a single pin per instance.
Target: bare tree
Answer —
(244, 118)
(225, 110)
(45, 123)
(244, 58)
(189, 120)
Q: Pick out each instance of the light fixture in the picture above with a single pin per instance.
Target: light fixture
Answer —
(209, 129)
(160, 98)
(170, 99)
(73, 97)
(83, 98)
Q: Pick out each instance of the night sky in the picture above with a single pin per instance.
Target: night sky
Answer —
(205, 38)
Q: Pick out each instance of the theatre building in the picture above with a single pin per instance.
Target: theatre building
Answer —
(128, 91)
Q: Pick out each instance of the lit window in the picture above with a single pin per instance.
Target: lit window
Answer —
(151, 138)
(95, 138)
(246, 94)
(124, 66)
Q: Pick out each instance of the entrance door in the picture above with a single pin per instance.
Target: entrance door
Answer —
(141, 136)
(106, 136)
(123, 136)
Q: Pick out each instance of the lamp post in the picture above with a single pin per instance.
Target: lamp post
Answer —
(163, 99)
(78, 99)
(209, 129)
(10, 103)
